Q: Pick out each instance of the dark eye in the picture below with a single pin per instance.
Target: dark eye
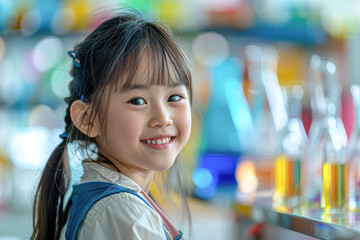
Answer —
(174, 98)
(137, 101)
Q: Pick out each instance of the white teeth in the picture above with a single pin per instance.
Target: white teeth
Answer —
(157, 141)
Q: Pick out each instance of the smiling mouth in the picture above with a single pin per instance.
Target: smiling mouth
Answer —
(158, 141)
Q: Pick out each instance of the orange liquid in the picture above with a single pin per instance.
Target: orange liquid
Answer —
(287, 177)
(333, 193)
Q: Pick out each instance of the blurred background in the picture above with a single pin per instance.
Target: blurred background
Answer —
(244, 54)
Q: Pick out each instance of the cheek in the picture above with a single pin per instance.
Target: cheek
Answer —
(124, 128)
(185, 125)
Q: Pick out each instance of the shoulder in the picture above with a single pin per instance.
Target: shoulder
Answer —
(123, 215)
(120, 205)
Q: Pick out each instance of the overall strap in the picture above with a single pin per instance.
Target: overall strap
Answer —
(179, 236)
(85, 195)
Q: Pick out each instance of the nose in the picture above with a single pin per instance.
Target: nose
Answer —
(160, 118)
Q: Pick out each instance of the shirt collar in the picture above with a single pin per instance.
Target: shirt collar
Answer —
(94, 171)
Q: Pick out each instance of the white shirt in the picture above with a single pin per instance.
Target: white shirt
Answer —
(118, 216)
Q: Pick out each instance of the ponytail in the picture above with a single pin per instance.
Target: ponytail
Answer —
(48, 214)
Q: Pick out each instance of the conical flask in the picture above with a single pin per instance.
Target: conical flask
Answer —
(354, 155)
(227, 125)
(324, 171)
(291, 148)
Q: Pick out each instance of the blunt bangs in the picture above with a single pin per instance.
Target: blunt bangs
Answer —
(151, 55)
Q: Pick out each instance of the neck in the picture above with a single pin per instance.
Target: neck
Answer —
(141, 177)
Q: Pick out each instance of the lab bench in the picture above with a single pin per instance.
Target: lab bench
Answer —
(315, 223)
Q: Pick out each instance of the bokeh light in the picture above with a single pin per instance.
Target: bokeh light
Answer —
(30, 22)
(263, 56)
(7, 123)
(48, 53)
(210, 48)
(246, 177)
(205, 181)
(12, 86)
(202, 178)
(27, 69)
(43, 115)
(60, 79)
(338, 24)
(298, 92)
(31, 147)
(2, 48)
(63, 21)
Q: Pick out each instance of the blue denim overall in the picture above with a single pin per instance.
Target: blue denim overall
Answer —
(85, 195)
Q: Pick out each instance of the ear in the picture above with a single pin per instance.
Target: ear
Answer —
(80, 113)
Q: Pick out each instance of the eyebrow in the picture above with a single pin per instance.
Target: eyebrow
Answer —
(143, 86)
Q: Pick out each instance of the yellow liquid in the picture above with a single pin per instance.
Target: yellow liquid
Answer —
(333, 194)
(287, 177)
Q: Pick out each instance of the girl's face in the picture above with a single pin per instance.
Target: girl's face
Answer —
(147, 126)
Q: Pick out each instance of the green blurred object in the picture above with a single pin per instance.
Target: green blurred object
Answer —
(141, 5)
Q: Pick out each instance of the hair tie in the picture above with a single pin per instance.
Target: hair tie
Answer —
(63, 135)
(75, 60)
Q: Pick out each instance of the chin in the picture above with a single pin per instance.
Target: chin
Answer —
(163, 167)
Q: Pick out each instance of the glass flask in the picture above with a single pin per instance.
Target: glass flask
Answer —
(226, 129)
(317, 102)
(291, 148)
(354, 155)
(265, 98)
(324, 184)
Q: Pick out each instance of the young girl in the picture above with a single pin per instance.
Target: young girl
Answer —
(130, 95)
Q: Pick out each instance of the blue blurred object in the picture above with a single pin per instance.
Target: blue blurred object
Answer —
(227, 123)
(213, 170)
(47, 9)
(292, 32)
(7, 9)
(220, 133)
(240, 112)
(206, 182)
(223, 165)
(300, 33)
